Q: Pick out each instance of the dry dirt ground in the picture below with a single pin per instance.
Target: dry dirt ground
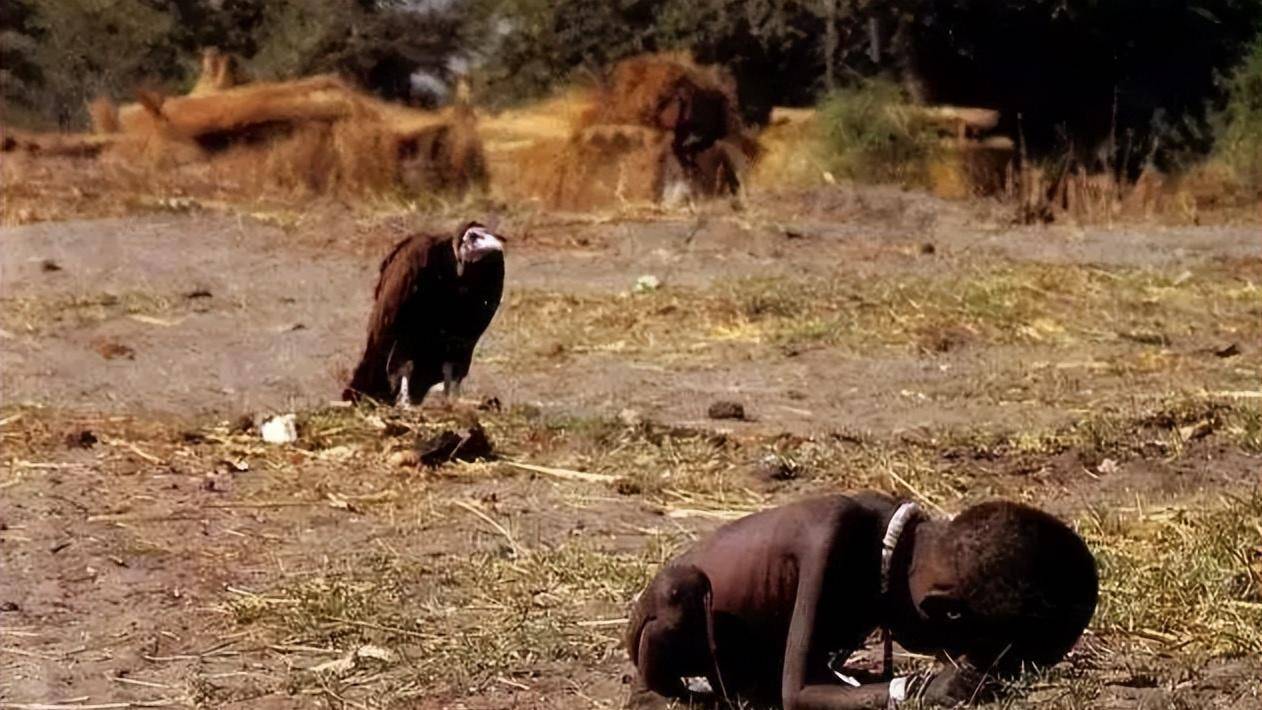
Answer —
(155, 552)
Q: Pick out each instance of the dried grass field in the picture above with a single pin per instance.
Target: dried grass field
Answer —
(155, 552)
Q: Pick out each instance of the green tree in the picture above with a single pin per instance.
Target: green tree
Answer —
(90, 47)
(21, 76)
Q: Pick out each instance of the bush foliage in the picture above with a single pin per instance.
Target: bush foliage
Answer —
(1240, 123)
(870, 140)
(1105, 82)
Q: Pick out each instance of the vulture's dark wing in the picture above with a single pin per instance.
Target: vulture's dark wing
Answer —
(399, 294)
(400, 288)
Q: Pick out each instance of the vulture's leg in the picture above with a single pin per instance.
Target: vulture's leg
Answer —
(404, 398)
(403, 401)
(451, 385)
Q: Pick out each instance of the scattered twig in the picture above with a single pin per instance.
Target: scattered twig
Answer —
(132, 448)
(711, 514)
(517, 549)
(143, 683)
(923, 498)
(563, 473)
(28, 654)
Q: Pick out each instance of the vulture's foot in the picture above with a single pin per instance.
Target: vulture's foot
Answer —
(404, 400)
(451, 385)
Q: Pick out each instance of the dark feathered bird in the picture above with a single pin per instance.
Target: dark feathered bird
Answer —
(435, 297)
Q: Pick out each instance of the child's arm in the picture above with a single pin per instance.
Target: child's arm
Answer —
(948, 687)
(814, 558)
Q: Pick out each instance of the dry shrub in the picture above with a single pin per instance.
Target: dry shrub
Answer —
(661, 128)
(315, 135)
(611, 165)
(668, 91)
(310, 135)
(961, 169)
(103, 114)
(792, 152)
(870, 135)
(1043, 194)
(52, 144)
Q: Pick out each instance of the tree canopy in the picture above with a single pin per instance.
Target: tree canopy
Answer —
(1103, 81)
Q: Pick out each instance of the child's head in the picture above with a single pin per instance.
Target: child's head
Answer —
(1006, 584)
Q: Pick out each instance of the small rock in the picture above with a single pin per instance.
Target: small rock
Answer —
(726, 409)
(928, 248)
(199, 293)
(9, 606)
(49, 266)
(281, 429)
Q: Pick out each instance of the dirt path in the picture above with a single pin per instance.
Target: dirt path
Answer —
(211, 315)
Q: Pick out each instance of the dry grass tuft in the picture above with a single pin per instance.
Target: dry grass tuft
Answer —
(1180, 579)
(1008, 304)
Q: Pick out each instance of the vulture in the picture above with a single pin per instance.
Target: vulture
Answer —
(435, 297)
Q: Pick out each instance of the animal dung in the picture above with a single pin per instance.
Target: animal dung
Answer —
(726, 409)
(470, 444)
(281, 429)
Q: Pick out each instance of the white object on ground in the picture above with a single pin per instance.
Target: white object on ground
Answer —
(898, 689)
(281, 429)
(698, 684)
(648, 282)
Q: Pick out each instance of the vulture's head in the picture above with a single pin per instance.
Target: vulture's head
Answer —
(476, 243)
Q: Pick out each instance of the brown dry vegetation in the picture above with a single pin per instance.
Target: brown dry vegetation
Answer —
(625, 141)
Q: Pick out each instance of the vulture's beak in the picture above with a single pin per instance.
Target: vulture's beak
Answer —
(477, 243)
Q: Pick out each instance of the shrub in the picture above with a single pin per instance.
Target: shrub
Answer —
(870, 139)
(1239, 126)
